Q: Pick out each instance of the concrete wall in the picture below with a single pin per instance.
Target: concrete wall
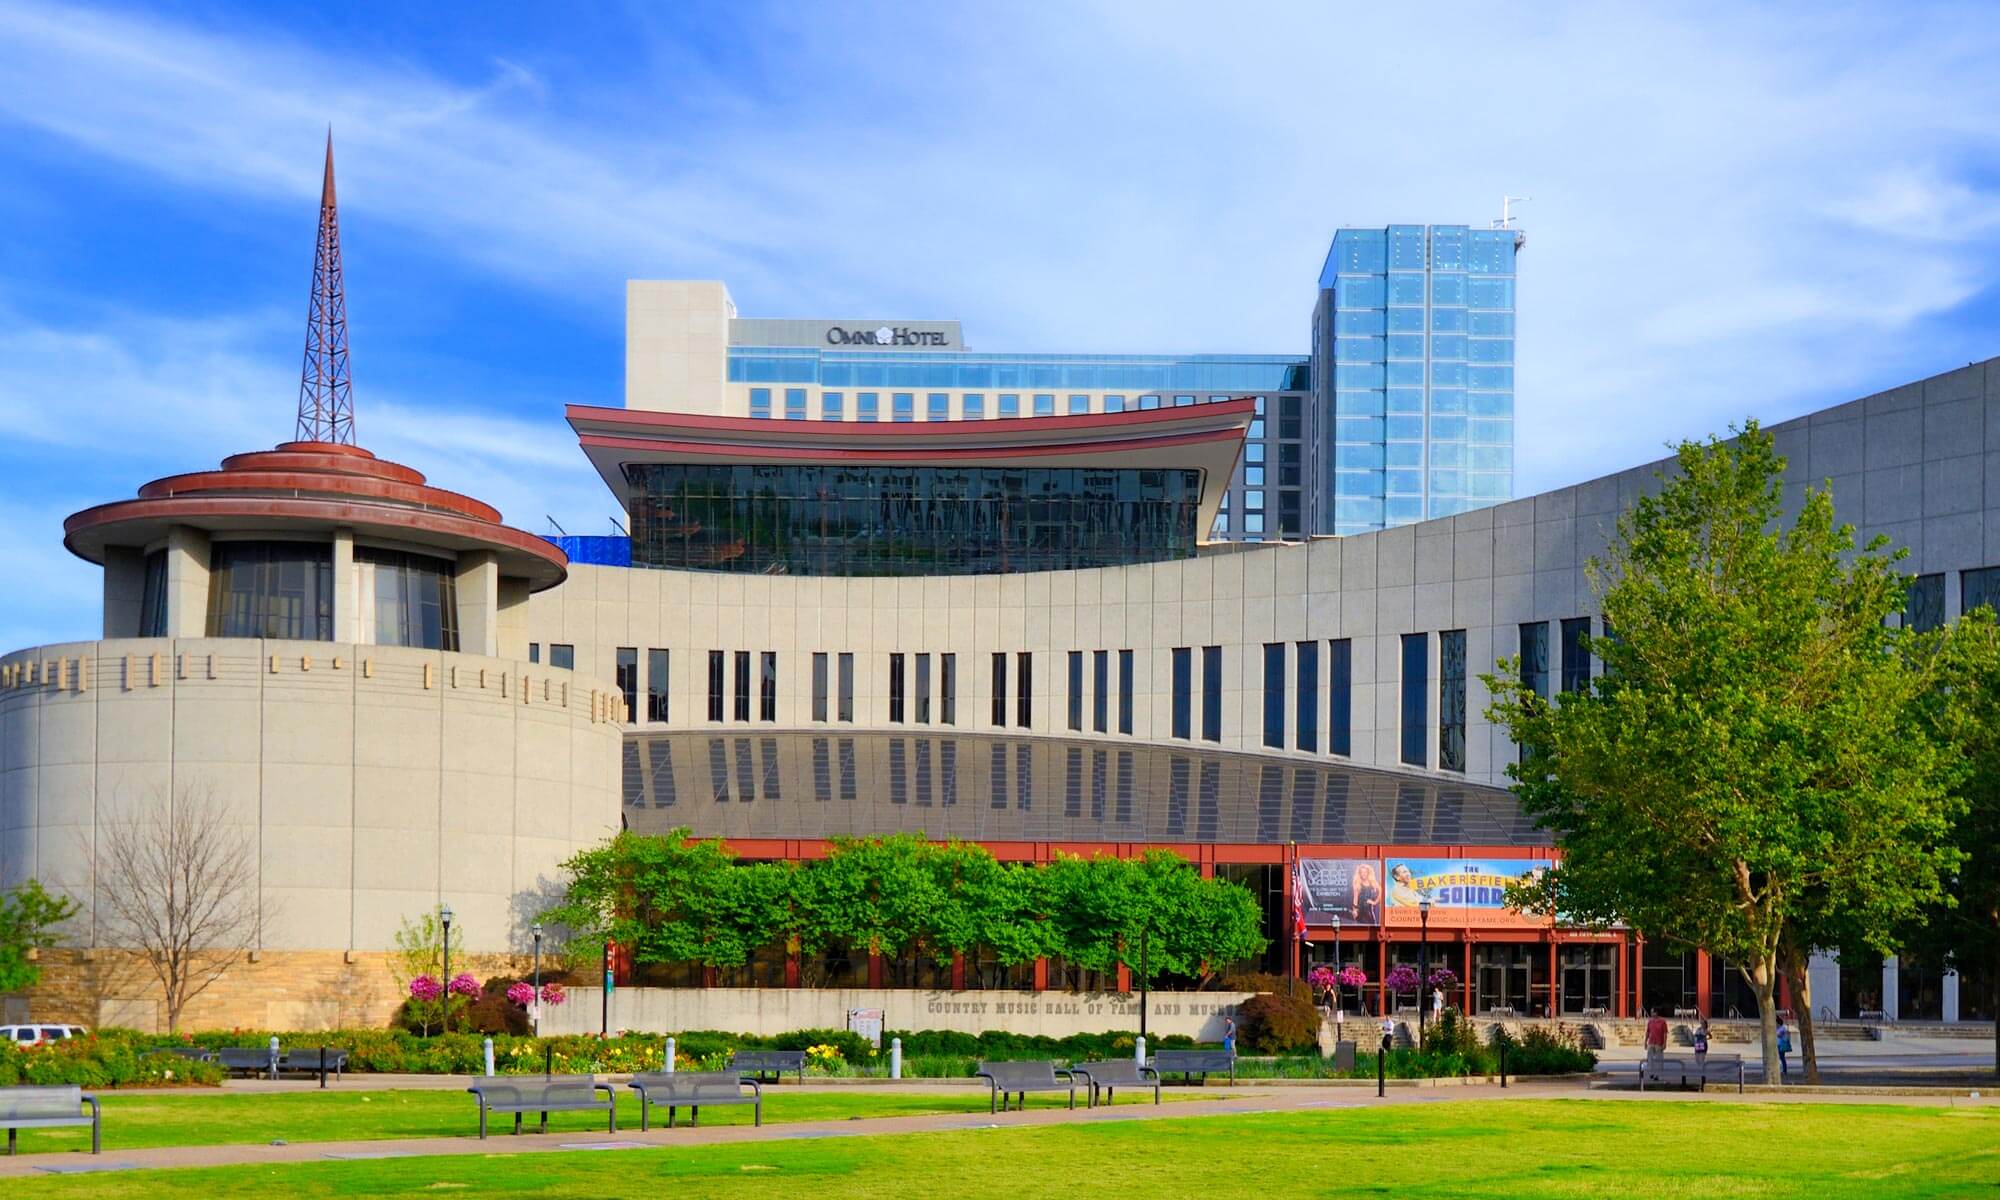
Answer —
(676, 344)
(781, 1010)
(373, 783)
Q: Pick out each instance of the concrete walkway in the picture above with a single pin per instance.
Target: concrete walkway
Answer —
(1226, 1103)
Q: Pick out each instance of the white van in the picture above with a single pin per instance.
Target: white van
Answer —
(36, 1035)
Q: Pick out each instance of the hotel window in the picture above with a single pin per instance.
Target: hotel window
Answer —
(846, 710)
(1149, 402)
(1979, 587)
(865, 406)
(923, 689)
(1274, 695)
(562, 655)
(767, 687)
(1045, 404)
(1183, 692)
(1000, 691)
(656, 686)
(1183, 401)
(760, 402)
(948, 688)
(1079, 404)
(1010, 404)
(795, 404)
(742, 693)
(1076, 689)
(1340, 696)
(715, 685)
(1211, 693)
(628, 682)
(819, 708)
(1114, 404)
(1451, 700)
(534, 649)
(1575, 654)
(1257, 429)
(1416, 697)
(1100, 699)
(975, 406)
(1253, 476)
(895, 689)
(1307, 726)
(1124, 691)
(832, 406)
(1923, 607)
(903, 406)
(1535, 657)
(937, 406)
(1024, 684)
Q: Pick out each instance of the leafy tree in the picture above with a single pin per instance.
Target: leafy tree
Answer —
(28, 919)
(420, 952)
(875, 893)
(1754, 756)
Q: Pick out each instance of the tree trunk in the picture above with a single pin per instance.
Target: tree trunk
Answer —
(1761, 976)
(1795, 970)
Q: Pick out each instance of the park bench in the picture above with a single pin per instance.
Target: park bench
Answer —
(772, 1062)
(561, 1093)
(311, 1060)
(1191, 1062)
(46, 1108)
(1109, 1076)
(1714, 1066)
(692, 1089)
(1019, 1078)
(191, 1053)
(247, 1060)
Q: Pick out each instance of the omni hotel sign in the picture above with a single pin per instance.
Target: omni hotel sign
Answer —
(851, 334)
(885, 335)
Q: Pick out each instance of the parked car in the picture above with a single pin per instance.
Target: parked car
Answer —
(38, 1035)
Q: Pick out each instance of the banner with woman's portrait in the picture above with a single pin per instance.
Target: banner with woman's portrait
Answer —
(1348, 888)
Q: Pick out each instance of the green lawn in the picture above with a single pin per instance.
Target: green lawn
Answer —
(216, 1118)
(1560, 1148)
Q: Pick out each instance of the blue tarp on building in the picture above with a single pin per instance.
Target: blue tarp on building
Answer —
(596, 550)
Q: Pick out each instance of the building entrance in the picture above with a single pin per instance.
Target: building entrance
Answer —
(1588, 977)
(1504, 978)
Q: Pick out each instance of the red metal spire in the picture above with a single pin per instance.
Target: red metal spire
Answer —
(326, 398)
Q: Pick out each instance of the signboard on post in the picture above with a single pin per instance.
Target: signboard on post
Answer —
(867, 1022)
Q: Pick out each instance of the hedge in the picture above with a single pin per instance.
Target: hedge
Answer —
(111, 1058)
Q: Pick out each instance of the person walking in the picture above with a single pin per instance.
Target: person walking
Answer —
(1701, 1049)
(1229, 1034)
(1437, 1004)
(1656, 1040)
(1784, 1050)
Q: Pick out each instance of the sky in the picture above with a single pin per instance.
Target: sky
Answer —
(1736, 210)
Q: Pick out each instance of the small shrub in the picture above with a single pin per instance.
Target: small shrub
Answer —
(1274, 1022)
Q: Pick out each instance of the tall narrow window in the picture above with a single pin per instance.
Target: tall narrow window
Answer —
(1979, 587)
(1183, 692)
(1535, 657)
(1125, 691)
(562, 655)
(742, 685)
(534, 648)
(1575, 654)
(1416, 698)
(1000, 691)
(1340, 696)
(1306, 729)
(628, 682)
(1211, 693)
(153, 601)
(923, 689)
(819, 687)
(656, 686)
(846, 709)
(896, 689)
(1274, 695)
(1923, 608)
(1100, 689)
(1451, 700)
(767, 687)
(715, 685)
(1024, 684)
(948, 688)
(1076, 689)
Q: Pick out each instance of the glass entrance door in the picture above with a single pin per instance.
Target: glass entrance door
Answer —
(1587, 973)
(1503, 976)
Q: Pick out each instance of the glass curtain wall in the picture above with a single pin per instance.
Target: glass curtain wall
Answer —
(271, 590)
(414, 597)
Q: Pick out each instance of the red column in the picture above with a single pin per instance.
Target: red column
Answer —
(1124, 978)
(1041, 974)
(875, 972)
(1382, 976)
(1638, 976)
(1555, 979)
(1619, 969)
(1702, 971)
(1784, 991)
(957, 972)
(793, 969)
(1465, 980)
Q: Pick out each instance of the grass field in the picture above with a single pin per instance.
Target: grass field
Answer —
(217, 1118)
(1525, 1149)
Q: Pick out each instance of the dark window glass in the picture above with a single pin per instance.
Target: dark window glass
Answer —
(1923, 608)
(1211, 693)
(1274, 694)
(819, 705)
(1535, 657)
(1076, 689)
(848, 786)
(1100, 699)
(657, 680)
(1183, 692)
(1124, 691)
(1000, 691)
(1340, 696)
(534, 652)
(948, 688)
(1979, 587)
(1024, 682)
(628, 682)
(153, 598)
(272, 590)
(923, 689)
(767, 690)
(415, 598)
(846, 710)
(715, 685)
(1575, 654)
(742, 693)
(1307, 725)
(896, 689)
(1451, 700)
(562, 656)
(1416, 695)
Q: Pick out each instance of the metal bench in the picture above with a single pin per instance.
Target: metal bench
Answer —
(47, 1108)
(1713, 1066)
(1188, 1063)
(692, 1089)
(562, 1093)
(1019, 1078)
(310, 1061)
(1109, 1076)
(248, 1060)
(775, 1063)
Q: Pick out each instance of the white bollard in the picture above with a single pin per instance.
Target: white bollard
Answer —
(670, 1056)
(1139, 1050)
(895, 1058)
(489, 1056)
(274, 1056)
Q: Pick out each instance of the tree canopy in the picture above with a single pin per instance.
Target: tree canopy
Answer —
(28, 919)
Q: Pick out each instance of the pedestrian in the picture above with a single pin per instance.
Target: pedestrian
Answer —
(1229, 1035)
(1656, 1039)
(1701, 1048)
(1437, 1003)
(1784, 1050)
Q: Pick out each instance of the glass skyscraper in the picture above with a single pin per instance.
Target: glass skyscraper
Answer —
(1413, 374)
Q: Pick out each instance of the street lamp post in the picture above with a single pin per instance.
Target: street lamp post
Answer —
(1337, 1003)
(1423, 966)
(538, 978)
(444, 918)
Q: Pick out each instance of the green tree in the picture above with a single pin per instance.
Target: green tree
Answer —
(28, 919)
(420, 951)
(1755, 750)
(877, 894)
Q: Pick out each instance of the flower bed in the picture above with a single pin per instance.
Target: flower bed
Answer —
(109, 1059)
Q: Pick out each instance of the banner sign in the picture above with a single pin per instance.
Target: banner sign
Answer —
(1462, 891)
(1348, 888)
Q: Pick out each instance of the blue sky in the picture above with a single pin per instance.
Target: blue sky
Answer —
(1737, 211)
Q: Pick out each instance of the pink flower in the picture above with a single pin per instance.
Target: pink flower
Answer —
(1353, 977)
(464, 985)
(552, 993)
(1402, 978)
(522, 994)
(423, 987)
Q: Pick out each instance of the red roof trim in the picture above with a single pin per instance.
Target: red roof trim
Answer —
(913, 454)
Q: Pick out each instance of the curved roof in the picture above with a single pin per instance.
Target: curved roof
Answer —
(311, 487)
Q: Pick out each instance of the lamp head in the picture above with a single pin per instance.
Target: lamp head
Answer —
(444, 914)
(1424, 907)
(538, 931)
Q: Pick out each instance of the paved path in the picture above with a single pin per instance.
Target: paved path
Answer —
(1260, 1100)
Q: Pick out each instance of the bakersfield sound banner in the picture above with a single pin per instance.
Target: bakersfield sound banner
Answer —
(1462, 891)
